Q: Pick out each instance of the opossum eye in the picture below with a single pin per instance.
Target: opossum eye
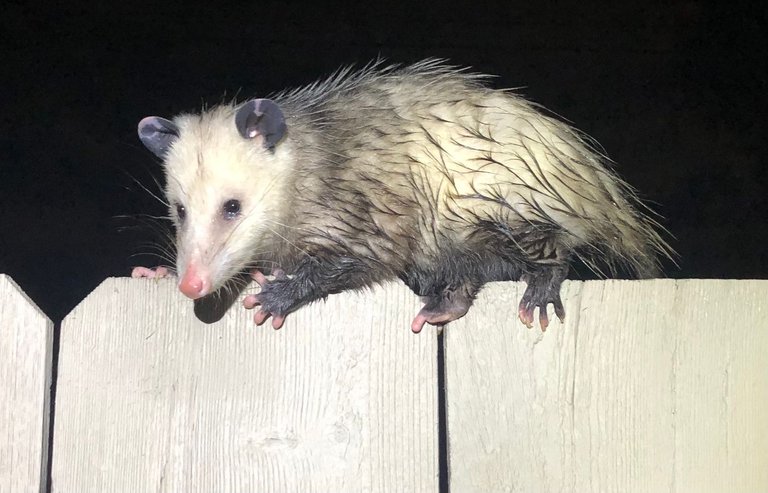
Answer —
(181, 212)
(231, 209)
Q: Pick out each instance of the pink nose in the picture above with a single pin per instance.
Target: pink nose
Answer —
(193, 285)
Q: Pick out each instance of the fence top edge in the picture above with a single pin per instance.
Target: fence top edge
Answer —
(13, 287)
(111, 281)
(169, 283)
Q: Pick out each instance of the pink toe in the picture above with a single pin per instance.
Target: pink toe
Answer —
(260, 317)
(260, 278)
(525, 317)
(543, 319)
(250, 301)
(278, 322)
(139, 272)
(418, 323)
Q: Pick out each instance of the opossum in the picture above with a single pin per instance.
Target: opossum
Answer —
(422, 173)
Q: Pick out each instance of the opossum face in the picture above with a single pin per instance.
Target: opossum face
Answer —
(223, 187)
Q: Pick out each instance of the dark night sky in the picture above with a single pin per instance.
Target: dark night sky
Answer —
(672, 90)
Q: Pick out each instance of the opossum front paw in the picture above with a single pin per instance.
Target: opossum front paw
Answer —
(539, 295)
(269, 299)
(156, 273)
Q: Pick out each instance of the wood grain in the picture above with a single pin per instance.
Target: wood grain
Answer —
(655, 386)
(342, 398)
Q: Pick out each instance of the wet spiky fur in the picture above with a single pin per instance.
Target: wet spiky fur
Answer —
(421, 173)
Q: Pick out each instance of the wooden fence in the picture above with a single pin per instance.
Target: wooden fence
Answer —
(649, 386)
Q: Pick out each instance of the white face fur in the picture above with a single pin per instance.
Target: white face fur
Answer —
(222, 190)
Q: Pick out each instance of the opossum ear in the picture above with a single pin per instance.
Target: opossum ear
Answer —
(261, 117)
(157, 134)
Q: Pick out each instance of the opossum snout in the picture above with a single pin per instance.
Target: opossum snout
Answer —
(194, 284)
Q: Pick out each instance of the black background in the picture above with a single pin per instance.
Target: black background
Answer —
(673, 91)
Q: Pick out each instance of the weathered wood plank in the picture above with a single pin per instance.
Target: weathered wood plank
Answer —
(343, 398)
(649, 386)
(26, 352)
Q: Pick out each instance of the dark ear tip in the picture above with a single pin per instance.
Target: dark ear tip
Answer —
(157, 134)
(147, 125)
(241, 117)
(261, 117)
(152, 124)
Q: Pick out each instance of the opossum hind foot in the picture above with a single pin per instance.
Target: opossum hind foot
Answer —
(252, 300)
(543, 289)
(441, 309)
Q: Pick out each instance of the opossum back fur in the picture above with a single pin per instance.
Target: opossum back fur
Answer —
(400, 168)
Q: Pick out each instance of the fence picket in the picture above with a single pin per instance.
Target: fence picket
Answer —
(26, 352)
(342, 398)
(656, 385)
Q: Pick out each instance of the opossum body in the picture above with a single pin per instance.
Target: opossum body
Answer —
(421, 173)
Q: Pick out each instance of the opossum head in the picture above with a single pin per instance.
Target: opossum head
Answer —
(224, 184)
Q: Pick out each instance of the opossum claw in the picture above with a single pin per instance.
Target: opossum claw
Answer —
(261, 316)
(525, 312)
(156, 273)
(252, 300)
(527, 306)
(543, 289)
